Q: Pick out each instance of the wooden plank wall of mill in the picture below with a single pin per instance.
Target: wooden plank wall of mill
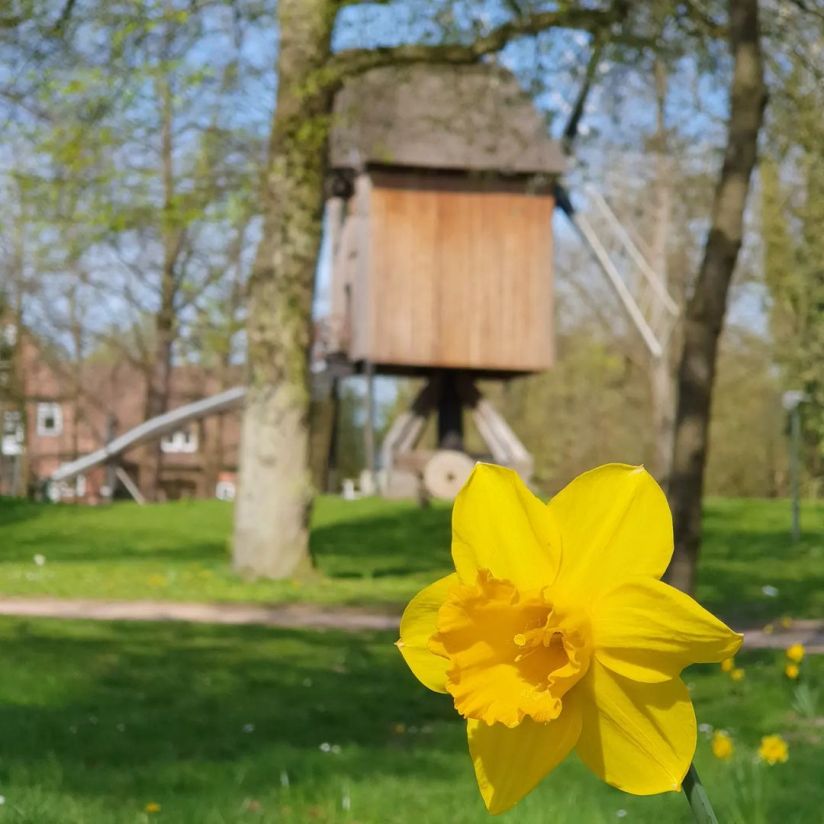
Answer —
(459, 274)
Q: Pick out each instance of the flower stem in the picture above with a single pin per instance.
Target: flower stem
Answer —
(698, 799)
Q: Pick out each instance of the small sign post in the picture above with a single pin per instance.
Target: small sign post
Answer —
(791, 401)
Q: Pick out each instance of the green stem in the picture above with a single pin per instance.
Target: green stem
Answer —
(698, 799)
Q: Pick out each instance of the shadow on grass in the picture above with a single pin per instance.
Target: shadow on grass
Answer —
(114, 707)
(410, 541)
(14, 510)
(111, 549)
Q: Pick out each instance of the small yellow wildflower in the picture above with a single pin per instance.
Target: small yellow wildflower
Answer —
(795, 653)
(791, 671)
(769, 629)
(727, 665)
(773, 749)
(152, 807)
(737, 674)
(555, 633)
(786, 622)
(722, 745)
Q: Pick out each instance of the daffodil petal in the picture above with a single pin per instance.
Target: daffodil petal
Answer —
(637, 737)
(510, 761)
(418, 625)
(499, 525)
(614, 523)
(649, 631)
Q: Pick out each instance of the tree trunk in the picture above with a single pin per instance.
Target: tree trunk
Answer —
(275, 489)
(157, 398)
(705, 309)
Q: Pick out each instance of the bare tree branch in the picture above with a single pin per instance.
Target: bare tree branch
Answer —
(65, 16)
(811, 8)
(356, 61)
(571, 129)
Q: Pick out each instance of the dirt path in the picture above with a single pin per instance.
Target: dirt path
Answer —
(309, 616)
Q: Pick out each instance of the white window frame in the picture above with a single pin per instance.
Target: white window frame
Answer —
(46, 410)
(12, 435)
(180, 441)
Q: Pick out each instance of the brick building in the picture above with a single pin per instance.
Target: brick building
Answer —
(53, 411)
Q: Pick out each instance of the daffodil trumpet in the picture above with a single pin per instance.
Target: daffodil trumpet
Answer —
(556, 633)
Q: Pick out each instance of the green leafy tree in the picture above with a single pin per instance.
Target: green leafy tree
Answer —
(792, 214)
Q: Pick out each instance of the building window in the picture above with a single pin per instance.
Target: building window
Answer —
(181, 440)
(13, 437)
(49, 419)
(9, 336)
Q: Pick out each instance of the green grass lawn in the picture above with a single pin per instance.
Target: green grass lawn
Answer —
(243, 724)
(370, 552)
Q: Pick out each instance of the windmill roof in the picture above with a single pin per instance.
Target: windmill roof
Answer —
(474, 118)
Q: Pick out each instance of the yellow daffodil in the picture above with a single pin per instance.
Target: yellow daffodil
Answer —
(795, 653)
(792, 671)
(728, 665)
(555, 633)
(773, 749)
(722, 745)
(737, 674)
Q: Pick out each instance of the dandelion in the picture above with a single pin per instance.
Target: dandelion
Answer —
(737, 674)
(555, 634)
(795, 653)
(769, 629)
(792, 671)
(786, 622)
(773, 750)
(722, 746)
(727, 665)
(152, 807)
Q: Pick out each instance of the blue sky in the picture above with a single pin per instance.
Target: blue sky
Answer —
(620, 112)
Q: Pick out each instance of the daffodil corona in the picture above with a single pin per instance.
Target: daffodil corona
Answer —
(555, 633)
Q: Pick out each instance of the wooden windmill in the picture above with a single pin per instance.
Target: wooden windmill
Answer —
(442, 201)
(442, 189)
